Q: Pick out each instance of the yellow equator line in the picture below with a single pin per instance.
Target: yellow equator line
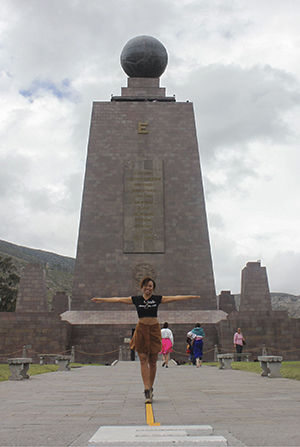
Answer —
(149, 415)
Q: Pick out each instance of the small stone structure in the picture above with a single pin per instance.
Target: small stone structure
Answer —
(226, 301)
(63, 361)
(255, 293)
(270, 365)
(32, 293)
(225, 361)
(19, 368)
(60, 303)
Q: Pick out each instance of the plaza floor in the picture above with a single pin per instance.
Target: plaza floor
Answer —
(67, 408)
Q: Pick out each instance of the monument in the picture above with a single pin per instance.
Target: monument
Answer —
(143, 209)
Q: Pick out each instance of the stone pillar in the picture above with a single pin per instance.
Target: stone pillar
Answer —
(255, 293)
(226, 301)
(60, 303)
(32, 294)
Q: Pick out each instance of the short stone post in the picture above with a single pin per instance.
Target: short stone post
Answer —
(216, 353)
(24, 355)
(264, 351)
(120, 353)
(73, 354)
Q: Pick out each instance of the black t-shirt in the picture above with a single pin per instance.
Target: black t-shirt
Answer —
(146, 308)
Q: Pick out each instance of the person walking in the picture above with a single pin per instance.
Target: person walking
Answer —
(238, 342)
(197, 335)
(167, 341)
(146, 339)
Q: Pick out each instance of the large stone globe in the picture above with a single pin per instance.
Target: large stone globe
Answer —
(144, 57)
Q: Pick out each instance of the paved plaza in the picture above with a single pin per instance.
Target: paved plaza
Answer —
(67, 408)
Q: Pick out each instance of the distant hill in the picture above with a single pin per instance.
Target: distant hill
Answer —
(59, 269)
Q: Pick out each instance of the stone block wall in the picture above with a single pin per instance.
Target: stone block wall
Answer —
(227, 301)
(274, 329)
(32, 293)
(100, 343)
(43, 331)
(255, 293)
(60, 303)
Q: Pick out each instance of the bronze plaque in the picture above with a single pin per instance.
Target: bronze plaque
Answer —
(143, 207)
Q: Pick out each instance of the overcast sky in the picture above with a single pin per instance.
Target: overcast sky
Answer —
(237, 61)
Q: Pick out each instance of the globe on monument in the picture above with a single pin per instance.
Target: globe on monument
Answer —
(144, 57)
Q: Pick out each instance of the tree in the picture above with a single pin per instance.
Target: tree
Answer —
(9, 281)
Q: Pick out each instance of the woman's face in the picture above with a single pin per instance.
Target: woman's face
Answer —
(239, 330)
(148, 288)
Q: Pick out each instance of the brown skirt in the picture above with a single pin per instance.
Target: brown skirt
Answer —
(146, 338)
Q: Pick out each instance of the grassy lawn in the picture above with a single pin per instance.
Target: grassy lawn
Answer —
(289, 370)
(33, 370)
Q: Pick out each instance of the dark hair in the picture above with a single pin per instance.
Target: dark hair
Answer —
(145, 281)
(198, 325)
(165, 325)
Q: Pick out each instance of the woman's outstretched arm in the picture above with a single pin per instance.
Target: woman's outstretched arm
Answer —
(124, 300)
(169, 299)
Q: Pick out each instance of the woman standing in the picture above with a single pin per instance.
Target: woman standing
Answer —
(238, 342)
(167, 341)
(197, 335)
(146, 339)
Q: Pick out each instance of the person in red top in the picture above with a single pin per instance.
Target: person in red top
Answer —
(147, 336)
(238, 342)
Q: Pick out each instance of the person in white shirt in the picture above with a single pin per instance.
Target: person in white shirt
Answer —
(167, 341)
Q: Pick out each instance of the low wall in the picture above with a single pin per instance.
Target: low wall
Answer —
(274, 329)
(42, 331)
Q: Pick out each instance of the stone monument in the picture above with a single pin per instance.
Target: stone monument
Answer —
(143, 209)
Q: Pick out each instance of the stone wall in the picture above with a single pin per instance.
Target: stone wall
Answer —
(93, 341)
(274, 329)
(226, 301)
(43, 332)
(32, 293)
(255, 293)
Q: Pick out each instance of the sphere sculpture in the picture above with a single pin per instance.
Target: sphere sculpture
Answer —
(144, 57)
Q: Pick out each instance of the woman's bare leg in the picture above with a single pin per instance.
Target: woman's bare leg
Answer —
(152, 368)
(144, 361)
(148, 369)
(167, 359)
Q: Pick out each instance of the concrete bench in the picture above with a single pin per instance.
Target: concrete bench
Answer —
(244, 355)
(42, 357)
(18, 368)
(270, 365)
(63, 361)
(225, 360)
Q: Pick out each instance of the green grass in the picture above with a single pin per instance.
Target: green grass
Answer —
(33, 370)
(289, 370)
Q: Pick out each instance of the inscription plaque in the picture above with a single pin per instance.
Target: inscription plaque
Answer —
(143, 207)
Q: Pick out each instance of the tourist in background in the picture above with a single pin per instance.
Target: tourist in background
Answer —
(167, 341)
(197, 335)
(238, 342)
